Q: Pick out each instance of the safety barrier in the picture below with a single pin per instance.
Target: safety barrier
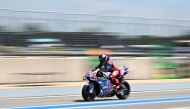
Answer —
(27, 70)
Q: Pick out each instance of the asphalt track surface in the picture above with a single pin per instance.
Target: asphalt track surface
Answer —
(63, 90)
(165, 99)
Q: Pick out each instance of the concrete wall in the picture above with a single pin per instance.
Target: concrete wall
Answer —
(140, 68)
(24, 70)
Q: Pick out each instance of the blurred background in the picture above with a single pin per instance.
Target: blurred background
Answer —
(53, 32)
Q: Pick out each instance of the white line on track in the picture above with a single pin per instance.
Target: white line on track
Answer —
(77, 95)
(179, 108)
(156, 91)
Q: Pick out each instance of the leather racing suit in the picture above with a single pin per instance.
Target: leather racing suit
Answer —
(110, 67)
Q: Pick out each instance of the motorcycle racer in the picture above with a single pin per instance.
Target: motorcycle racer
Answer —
(109, 66)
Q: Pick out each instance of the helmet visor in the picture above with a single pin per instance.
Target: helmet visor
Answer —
(102, 60)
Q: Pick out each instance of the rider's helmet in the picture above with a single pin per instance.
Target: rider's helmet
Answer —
(103, 58)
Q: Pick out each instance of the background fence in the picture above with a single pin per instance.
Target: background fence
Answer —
(63, 22)
(80, 31)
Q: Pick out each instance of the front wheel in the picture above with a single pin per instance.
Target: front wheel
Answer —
(126, 90)
(86, 95)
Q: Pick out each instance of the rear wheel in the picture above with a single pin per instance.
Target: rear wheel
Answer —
(126, 90)
(86, 95)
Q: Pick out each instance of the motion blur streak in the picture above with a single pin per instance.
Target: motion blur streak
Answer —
(113, 103)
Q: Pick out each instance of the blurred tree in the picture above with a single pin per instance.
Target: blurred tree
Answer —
(3, 28)
(33, 27)
(91, 29)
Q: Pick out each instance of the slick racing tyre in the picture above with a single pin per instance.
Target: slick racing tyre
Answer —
(126, 88)
(86, 95)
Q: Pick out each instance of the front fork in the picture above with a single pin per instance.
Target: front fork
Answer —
(91, 87)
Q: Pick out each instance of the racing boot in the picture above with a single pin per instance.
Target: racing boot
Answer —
(117, 83)
(118, 88)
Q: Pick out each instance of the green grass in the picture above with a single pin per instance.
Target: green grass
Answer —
(165, 76)
(164, 66)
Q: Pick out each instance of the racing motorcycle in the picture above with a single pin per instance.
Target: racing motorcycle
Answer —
(100, 86)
